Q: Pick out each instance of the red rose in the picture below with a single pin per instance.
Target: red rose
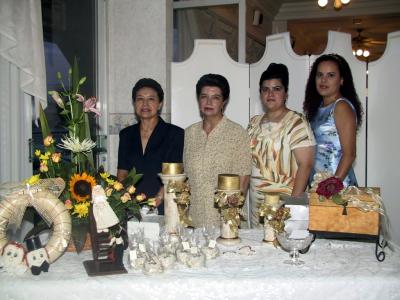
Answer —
(329, 187)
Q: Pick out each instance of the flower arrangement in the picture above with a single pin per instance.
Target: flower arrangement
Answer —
(77, 167)
(330, 187)
(122, 196)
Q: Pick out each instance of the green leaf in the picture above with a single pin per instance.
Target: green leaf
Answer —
(132, 177)
(137, 178)
(338, 199)
(75, 76)
(43, 122)
(87, 135)
(58, 76)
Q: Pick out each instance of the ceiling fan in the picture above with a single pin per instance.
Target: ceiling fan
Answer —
(360, 39)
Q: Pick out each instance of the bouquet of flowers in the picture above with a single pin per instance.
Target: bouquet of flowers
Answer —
(77, 166)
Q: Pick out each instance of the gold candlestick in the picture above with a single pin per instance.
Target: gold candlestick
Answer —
(228, 182)
(171, 172)
(272, 198)
(172, 168)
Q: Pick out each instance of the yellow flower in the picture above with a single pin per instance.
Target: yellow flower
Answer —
(81, 186)
(44, 156)
(43, 167)
(37, 152)
(151, 202)
(81, 209)
(48, 141)
(109, 192)
(104, 175)
(56, 157)
(68, 204)
(125, 197)
(118, 186)
(131, 189)
(141, 197)
(33, 179)
(110, 181)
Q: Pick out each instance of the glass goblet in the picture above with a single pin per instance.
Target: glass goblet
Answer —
(294, 245)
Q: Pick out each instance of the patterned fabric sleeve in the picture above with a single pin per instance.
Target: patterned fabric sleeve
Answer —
(301, 134)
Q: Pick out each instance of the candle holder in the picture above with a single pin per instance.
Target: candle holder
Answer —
(229, 199)
(176, 196)
(274, 216)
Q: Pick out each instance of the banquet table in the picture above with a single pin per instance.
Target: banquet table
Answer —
(333, 269)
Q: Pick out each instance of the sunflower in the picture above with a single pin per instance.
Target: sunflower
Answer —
(81, 186)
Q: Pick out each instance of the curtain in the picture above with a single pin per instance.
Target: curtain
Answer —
(22, 79)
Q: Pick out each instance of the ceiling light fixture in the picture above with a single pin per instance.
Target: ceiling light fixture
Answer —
(361, 52)
(337, 4)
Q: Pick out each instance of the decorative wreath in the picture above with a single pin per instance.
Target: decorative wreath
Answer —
(43, 196)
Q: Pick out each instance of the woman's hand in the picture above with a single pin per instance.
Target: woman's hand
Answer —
(160, 196)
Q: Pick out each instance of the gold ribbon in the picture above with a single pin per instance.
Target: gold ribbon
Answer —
(350, 194)
(229, 205)
(181, 191)
(274, 215)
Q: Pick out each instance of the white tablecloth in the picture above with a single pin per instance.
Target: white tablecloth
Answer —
(333, 270)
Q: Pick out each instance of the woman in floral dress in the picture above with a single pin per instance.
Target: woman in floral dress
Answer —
(334, 111)
(282, 143)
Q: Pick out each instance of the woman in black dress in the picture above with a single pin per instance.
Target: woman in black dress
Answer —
(150, 142)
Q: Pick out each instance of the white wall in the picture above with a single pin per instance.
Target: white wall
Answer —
(383, 129)
(138, 37)
(209, 56)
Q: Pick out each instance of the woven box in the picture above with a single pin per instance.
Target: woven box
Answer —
(327, 216)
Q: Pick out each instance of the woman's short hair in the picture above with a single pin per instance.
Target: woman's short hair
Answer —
(149, 83)
(213, 80)
(276, 71)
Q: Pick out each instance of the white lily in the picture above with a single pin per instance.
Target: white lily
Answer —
(57, 99)
(73, 144)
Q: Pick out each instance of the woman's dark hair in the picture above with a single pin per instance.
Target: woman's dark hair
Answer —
(149, 83)
(313, 100)
(213, 80)
(276, 71)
